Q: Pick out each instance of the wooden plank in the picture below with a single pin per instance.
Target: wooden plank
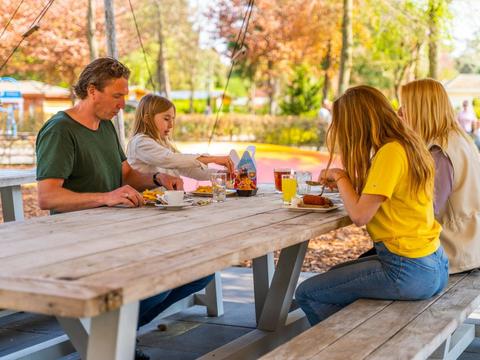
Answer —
(88, 220)
(426, 333)
(139, 281)
(168, 245)
(57, 247)
(347, 333)
(367, 337)
(328, 331)
(205, 239)
(57, 298)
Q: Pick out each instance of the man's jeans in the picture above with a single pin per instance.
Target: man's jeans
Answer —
(382, 276)
(152, 306)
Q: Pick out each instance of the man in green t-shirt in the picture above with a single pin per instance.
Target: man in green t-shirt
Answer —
(81, 165)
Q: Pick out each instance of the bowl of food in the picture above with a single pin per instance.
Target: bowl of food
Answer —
(246, 193)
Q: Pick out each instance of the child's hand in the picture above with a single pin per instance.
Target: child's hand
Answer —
(330, 177)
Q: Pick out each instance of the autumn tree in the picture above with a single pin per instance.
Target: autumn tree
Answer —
(56, 52)
(279, 37)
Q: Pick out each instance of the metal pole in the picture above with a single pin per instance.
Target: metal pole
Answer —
(112, 51)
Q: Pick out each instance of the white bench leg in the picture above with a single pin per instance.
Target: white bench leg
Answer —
(12, 203)
(455, 344)
(214, 296)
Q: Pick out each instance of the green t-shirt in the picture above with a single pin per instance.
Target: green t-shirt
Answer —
(88, 160)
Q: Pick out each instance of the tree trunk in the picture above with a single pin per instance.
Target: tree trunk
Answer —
(112, 51)
(92, 41)
(433, 39)
(272, 89)
(326, 63)
(162, 69)
(347, 41)
(191, 107)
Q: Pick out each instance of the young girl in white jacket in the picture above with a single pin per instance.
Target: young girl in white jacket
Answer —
(151, 147)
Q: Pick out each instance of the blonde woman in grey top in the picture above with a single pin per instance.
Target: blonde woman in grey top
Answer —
(151, 147)
(427, 109)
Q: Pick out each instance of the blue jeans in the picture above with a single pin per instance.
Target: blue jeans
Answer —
(152, 306)
(383, 276)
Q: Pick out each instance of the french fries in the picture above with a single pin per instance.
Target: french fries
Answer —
(151, 195)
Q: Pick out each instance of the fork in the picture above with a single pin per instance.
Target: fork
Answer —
(316, 183)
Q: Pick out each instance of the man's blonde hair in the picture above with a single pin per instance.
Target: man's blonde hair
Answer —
(362, 122)
(427, 109)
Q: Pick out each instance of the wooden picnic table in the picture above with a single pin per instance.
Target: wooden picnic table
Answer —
(11, 194)
(99, 263)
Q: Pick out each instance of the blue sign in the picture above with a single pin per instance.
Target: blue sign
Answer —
(10, 94)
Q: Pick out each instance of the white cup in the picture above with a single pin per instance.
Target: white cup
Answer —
(174, 197)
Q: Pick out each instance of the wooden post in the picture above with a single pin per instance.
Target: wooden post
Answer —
(112, 51)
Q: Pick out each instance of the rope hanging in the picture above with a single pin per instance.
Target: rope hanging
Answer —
(33, 27)
(143, 48)
(237, 51)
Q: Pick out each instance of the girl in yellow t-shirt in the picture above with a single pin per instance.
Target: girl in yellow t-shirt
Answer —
(387, 185)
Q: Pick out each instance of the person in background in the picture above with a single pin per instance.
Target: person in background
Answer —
(427, 109)
(152, 149)
(467, 118)
(325, 112)
(387, 185)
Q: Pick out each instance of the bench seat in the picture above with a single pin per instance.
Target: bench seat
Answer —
(381, 330)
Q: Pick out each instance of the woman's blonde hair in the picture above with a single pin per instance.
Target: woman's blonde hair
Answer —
(427, 109)
(362, 122)
(149, 106)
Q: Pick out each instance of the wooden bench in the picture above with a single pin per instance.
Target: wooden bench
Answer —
(377, 329)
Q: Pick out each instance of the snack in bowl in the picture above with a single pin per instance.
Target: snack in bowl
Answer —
(150, 196)
(316, 200)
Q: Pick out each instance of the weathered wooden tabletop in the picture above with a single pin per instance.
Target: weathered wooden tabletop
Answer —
(84, 263)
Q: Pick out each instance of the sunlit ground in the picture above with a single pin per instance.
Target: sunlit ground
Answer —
(267, 157)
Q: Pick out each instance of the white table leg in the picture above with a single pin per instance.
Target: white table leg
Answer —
(279, 298)
(113, 334)
(263, 270)
(12, 203)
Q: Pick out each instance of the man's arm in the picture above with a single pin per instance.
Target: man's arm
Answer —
(53, 196)
(141, 181)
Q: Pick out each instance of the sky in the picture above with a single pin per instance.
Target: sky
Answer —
(466, 21)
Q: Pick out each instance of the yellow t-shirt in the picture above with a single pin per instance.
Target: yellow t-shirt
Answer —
(405, 224)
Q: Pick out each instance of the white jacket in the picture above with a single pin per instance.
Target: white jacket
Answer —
(147, 155)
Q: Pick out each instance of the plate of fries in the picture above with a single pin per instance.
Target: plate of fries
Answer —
(150, 196)
(206, 191)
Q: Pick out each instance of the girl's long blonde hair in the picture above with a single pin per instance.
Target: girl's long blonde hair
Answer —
(149, 106)
(427, 109)
(362, 122)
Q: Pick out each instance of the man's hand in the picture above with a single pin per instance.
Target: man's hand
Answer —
(125, 196)
(170, 182)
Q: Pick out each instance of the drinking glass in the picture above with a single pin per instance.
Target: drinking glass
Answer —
(277, 175)
(289, 187)
(219, 186)
(302, 178)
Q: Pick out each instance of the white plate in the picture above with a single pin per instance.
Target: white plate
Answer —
(294, 207)
(174, 207)
(229, 192)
